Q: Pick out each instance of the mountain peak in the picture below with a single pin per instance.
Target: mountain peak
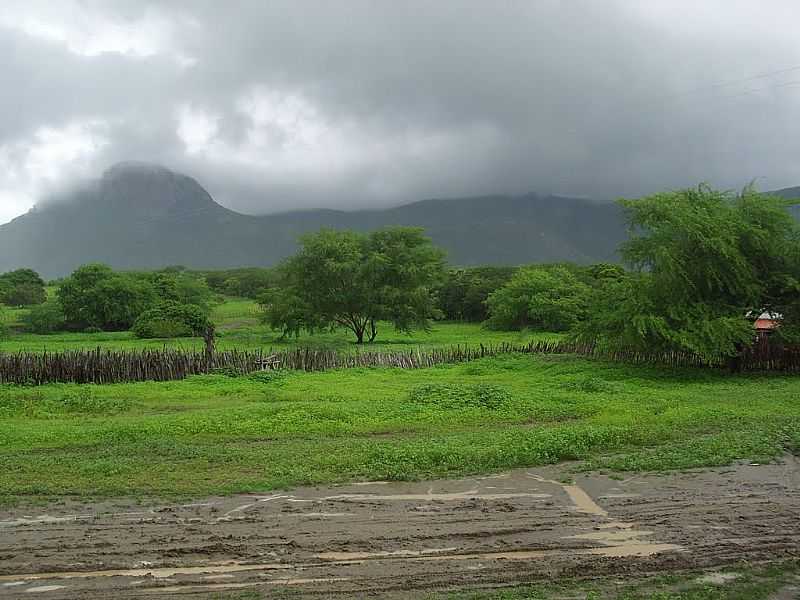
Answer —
(135, 168)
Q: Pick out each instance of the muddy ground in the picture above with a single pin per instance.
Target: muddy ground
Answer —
(405, 539)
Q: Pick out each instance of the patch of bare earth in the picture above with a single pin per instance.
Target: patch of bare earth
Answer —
(366, 540)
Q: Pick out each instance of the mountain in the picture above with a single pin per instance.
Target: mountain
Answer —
(792, 193)
(142, 216)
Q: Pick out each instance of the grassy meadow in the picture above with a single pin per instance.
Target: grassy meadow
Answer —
(238, 326)
(214, 434)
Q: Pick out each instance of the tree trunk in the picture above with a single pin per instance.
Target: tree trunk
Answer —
(208, 338)
(373, 331)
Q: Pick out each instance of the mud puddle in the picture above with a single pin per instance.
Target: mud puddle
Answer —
(368, 539)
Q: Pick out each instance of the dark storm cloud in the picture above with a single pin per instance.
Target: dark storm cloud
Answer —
(294, 104)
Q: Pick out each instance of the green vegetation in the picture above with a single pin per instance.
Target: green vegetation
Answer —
(761, 582)
(463, 292)
(96, 298)
(250, 282)
(23, 287)
(220, 434)
(707, 263)
(45, 318)
(170, 319)
(238, 326)
(546, 299)
(343, 279)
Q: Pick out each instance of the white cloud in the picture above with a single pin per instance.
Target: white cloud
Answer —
(32, 168)
(86, 29)
(293, 105)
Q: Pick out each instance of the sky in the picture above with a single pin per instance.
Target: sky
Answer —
(277, 105)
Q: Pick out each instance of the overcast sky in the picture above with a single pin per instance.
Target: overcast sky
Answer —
(279, 105)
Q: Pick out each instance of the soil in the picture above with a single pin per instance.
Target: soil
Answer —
(406, 539)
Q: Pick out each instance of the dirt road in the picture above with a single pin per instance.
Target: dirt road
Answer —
(377, 538)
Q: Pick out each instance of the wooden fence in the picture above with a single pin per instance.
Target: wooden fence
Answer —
(110, 366)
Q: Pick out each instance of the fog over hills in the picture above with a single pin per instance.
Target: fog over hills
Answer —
(139, 215)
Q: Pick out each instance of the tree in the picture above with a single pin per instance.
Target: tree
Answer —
(45, 318)
(352, 280)
(463, 293)
(169, 320)
(23, 287)
(550, 299)
(96, 296)
(249, 282)
(706, 263)
(181, 288)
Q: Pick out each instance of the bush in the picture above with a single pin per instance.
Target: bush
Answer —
(96, 296)
(452, 396)
(547, 299)
(170, 320)
(22, 287)
(45, 318)
(463, 292)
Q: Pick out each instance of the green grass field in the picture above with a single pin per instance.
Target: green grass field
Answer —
(238, 327)
(214, 434)
(751, 582)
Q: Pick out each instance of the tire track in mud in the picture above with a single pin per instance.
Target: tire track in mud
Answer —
(374, 538)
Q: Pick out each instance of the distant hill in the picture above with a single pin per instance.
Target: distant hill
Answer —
(142, 216)
(788, 193)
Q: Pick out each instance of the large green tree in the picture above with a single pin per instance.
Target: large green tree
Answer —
(705, 264)
(344, 279)
(23, 287)
(95, 296)
(548, 298)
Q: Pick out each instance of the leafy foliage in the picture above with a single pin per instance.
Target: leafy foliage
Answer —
(45, 318)
(352, 280)
(170, 320)
(463, 292)
(452, 396)
(182, 288)
(707, 262)
(23, 287)
(244, 283)
(96, 296)
(551, 299)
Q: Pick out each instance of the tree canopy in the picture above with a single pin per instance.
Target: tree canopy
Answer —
(706, 264)
(23, 287)
(551, 299)
(344, 279)
(463, 292)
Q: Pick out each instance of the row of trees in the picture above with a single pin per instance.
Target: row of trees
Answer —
(96, 298)
(702, 265)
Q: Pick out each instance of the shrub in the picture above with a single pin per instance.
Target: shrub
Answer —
(45, 318)
(169, 320)
(96, 296)
(547, 299)
(451, 395)
(23, 287)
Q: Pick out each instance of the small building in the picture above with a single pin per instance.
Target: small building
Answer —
(766, 323)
